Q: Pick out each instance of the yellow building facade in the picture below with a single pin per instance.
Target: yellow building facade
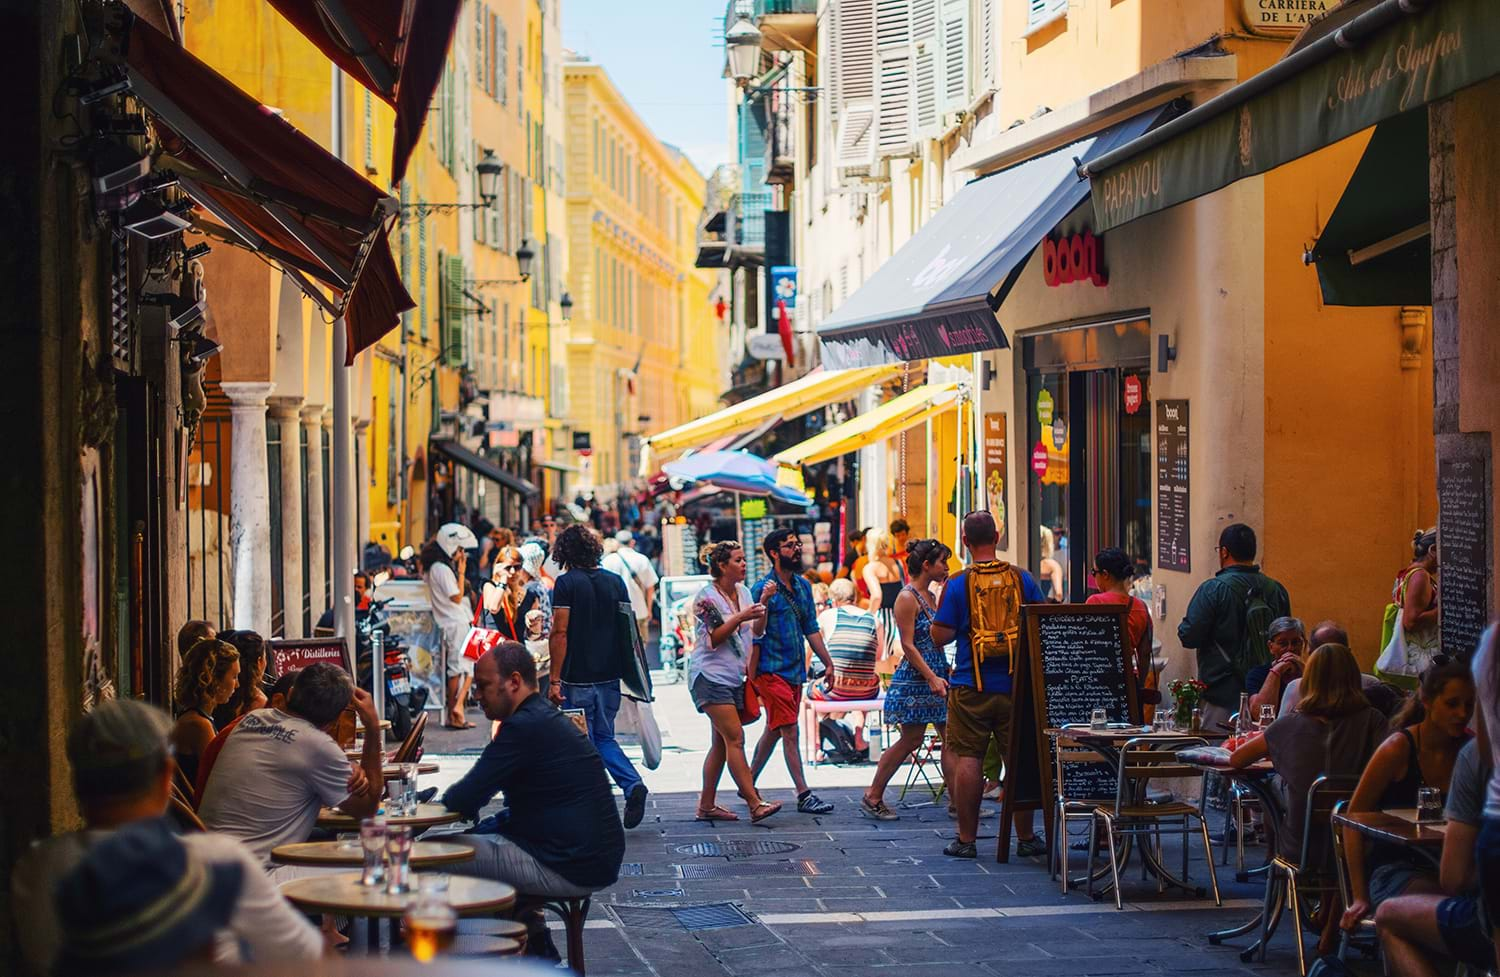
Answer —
(644, 349)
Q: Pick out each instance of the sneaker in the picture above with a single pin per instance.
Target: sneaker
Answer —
(810, 803)
(635, 805)
(1030, 847)
(878, 810)
(961, 849)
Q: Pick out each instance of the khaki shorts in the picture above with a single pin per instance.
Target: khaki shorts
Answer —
(973, 718)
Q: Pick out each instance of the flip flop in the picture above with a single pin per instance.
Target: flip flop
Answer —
(764, 810)
(716, 813)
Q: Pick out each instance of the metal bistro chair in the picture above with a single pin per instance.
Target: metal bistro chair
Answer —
(1064, 809)
(1367, 935)
(1292, 879)
(410, 750)
(1131, 813)
(1239, 803)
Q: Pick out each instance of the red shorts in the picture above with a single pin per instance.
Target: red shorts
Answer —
(779, 698)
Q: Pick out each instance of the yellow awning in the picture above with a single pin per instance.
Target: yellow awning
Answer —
(887, 420)
(817, 389)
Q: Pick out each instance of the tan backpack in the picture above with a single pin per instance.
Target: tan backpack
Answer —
(995, 611)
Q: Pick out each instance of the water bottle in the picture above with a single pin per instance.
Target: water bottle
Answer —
(1242, 718)
(874, 741)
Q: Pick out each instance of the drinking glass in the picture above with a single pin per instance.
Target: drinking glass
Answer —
(430, 921)
(1429, 805)
(409, 788)
(1165, 721)
(1099, 719)
(1267, 715)
(398, 856)
(372, 840)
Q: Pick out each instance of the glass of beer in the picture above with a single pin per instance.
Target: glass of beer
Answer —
(430, 922)
(372, 840)
(1429, 805)
(398, 857)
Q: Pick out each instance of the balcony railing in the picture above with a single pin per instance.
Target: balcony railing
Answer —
(746, 228)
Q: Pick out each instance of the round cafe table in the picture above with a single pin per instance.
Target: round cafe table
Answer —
(342, 895)
(427, 816)
(424, 854)
(392, 771)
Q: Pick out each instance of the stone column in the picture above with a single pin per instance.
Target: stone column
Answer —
(317, 574)
(250, 505)
(287, 412)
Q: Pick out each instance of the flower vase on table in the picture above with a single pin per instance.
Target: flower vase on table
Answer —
(1187, 695)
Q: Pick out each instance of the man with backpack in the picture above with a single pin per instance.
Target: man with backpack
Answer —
(981, 608)
(1227, 620)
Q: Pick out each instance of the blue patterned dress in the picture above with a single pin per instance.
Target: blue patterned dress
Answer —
(909, 700)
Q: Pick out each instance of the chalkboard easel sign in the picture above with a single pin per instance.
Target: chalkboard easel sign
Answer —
(1075, 659)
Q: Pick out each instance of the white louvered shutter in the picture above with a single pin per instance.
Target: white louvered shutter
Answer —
(927, 65)
(987, 41)
(1040, 12)
(893, 78)
(856, 140)
(828, 61)
(956, 91)
(854, 71)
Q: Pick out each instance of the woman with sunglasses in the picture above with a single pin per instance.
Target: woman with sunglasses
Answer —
(1113, 571)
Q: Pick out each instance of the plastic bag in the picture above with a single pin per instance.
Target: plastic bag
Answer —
(650, 735)
(1393, 659)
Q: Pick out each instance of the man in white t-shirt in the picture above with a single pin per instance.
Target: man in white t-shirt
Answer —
(122, 774)
(277, 769)
(639, 575)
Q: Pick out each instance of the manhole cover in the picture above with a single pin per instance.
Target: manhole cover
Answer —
(712, 916)
(736, 849)
(633, 868)
(747, 869)
(673, 893)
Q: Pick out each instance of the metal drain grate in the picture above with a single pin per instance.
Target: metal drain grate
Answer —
(712, 916)
(673, 893)
(747, 869)
(736, 849)
(632, 868)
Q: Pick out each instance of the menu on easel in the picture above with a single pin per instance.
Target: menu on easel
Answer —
(1173, 499)
(1075, 660)
(1463, 544)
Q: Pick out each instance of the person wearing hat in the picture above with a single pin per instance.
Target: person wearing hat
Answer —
(621, 558)
(122, 775)
(444, 567)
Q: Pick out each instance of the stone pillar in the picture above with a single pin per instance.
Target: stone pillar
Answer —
(363, 479)
(250, 505)
(317, 573)
(287, 412)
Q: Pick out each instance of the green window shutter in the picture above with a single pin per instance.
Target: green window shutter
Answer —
(453, 311)
(422, 273)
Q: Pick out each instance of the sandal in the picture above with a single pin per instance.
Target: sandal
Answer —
(763, 810)
(716, 813)
(877, 810)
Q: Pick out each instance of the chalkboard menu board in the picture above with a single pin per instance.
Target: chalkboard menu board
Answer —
(1173, 530)
(1463, 548)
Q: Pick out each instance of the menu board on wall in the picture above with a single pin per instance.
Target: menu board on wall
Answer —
(1463, 547)
(1173, 528)
(997, 474)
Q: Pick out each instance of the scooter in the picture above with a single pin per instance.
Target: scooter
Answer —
(403, 703)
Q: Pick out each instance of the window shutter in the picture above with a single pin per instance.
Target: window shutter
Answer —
(856, 140)
(481, 223)
(502, 56)
(987, 43)
(927, 62)
(1040, 12)
(422, 273)
(855, 50)
(955, 29)
(453, 311)
(828, 62)
(495, 216)
(893, 77)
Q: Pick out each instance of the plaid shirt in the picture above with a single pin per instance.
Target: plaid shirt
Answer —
(783, 648)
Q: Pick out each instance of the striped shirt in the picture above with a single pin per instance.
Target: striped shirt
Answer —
(849, 633)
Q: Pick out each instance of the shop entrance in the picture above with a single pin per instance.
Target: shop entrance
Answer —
(1089, 431)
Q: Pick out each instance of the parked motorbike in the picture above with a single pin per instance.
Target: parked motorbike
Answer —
(403, 703)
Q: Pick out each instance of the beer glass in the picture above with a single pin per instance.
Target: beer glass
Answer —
(430, 921)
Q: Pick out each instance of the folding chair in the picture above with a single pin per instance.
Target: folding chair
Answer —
(410, 749)
(1067, 752)
(1132, 813)
(928, 755)
(1293, 878)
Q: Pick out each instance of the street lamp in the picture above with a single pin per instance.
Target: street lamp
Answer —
(488, 169)
(524, 256)
(742, 45)
(566, 304)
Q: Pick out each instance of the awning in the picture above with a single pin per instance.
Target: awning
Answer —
(937, 295)
(484, 468)
(816, 389)
(1377, 247)
(1396, 56)
(395, 48)
(268, 187)
(888, 420)
(557, 466)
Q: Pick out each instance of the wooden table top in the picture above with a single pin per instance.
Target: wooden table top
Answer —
(1397, 826)
(358, 966)
(424, 854)
(343, 894)
(1257, 769)
(427, 815)
(1086, 733)
(391, 770)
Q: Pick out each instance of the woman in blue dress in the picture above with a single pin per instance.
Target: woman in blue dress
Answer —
(918, 695)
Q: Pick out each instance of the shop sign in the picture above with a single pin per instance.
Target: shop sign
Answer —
(1079, 258)
(765, 346)
(1039, 459)
(1059, 433)
(1044, 408)
(996, 473)
(1282, 17)
(784, 285)
(290, 653)
(581, 441)
(752, 508)
(1132, 394)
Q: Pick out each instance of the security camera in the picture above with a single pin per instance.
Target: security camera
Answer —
(149, 219)
(183, 313)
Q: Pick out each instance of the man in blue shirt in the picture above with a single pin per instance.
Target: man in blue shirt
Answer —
(778, 665)
(979, 694)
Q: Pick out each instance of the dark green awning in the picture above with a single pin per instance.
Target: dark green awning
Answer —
(1397, 56)
(1376, 248)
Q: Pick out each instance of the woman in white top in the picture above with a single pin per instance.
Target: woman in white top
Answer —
(726, 621)
(443, 565)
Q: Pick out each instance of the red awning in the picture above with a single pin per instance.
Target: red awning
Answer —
(269, 188)
(395, 48)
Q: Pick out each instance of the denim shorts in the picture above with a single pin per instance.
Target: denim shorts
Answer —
(706, 692)
(1464, 933)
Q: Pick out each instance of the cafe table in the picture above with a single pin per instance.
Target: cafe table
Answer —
(426, 816)
(342, 894)
(1256, 779)
(1398, 826)
(392, 771)
(342, 854)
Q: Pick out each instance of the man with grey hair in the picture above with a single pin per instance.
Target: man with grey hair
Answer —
(122, 775)
(277, 769)
(1327, 633)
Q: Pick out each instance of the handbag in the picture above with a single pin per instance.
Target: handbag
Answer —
(650, 734)
(750, 713)
(480, 640)
(635, 680)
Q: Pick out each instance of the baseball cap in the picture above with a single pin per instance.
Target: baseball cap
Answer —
(455, 536)
(117, 748)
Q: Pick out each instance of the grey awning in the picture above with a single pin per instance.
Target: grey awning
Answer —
(485, 468)
(936, 296)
